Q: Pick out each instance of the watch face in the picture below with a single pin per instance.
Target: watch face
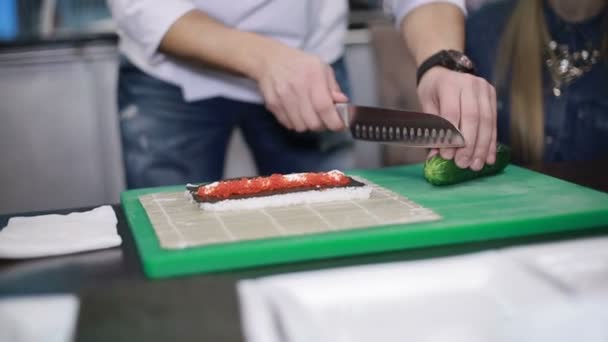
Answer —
(461, 59)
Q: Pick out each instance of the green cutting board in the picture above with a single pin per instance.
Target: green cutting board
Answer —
(517, 202)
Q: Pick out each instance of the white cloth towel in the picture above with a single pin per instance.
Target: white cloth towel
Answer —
(48, 235)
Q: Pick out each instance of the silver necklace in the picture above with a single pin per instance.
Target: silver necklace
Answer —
(565, 66)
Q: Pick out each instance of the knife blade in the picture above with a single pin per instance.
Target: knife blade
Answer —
(405, 128)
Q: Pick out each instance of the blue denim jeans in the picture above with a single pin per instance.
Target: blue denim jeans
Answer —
(168, 141)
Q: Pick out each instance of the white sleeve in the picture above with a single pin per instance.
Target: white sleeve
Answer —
(401, 8)
(145, 22)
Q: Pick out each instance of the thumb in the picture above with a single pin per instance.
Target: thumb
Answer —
(339, 97)
(336, 92)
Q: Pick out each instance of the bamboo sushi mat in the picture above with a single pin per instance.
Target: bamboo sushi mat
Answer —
(180, 223)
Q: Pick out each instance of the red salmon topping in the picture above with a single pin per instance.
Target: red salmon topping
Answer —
(275, 182)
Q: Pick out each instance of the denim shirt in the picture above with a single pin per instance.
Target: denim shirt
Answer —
(576, 123)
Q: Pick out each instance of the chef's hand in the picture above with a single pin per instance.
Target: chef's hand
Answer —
(300, 90)
(468, 102)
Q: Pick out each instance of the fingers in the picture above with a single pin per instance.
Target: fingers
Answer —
(314, 97)
(433, 152)
(336, 92)
(469, 124)
(450, 108)
(491, 158)
(288, 96)
(324, 99)
(309, 113)
(279, 101)
(301, 91)
(275, 106)
(326, 110)
(485, 131)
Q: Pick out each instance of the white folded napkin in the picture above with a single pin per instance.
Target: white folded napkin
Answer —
(48, 235)
(38, 318)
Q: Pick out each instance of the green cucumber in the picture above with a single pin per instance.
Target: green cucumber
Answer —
(439, 171)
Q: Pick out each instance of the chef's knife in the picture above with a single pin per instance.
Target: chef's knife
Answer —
(405, 128)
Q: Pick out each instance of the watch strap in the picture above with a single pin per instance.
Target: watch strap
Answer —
(449, 59)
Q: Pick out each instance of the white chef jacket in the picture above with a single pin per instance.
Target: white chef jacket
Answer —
(314, 26)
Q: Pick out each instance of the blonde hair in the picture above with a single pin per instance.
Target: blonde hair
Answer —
(520, 62)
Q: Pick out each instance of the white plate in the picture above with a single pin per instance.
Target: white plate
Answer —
(478, 297)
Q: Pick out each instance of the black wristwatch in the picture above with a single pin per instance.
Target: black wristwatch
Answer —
(450, 59)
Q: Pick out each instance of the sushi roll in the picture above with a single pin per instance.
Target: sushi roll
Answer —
(278, 190)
